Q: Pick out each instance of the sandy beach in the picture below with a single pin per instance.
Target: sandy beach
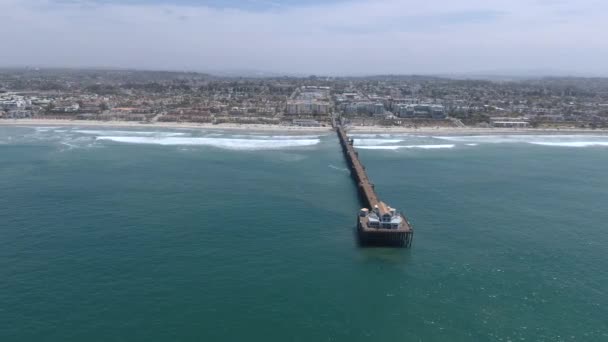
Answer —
(473, 130)
(295, 129)
(172, 125)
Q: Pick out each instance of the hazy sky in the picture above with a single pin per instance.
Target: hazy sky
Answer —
(297, 36)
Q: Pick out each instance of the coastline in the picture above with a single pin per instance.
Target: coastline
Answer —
(433, 130)
(171, 125)
(287, 128)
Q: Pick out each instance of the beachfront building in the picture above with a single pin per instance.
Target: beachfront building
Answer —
(358, 107)
(306, 123)
(13, 103)
(420, 111)
(384, 217)
(510, 122)
(307, 107)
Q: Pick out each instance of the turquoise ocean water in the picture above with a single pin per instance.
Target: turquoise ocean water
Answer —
(178, 235)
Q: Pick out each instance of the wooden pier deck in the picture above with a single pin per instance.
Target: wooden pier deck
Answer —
(403, 236)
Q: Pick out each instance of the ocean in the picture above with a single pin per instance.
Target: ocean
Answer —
(188, 235)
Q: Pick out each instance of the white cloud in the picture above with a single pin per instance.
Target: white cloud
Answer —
(358, 37)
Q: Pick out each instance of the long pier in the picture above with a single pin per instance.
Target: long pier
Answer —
(377, 223)
(366, 188)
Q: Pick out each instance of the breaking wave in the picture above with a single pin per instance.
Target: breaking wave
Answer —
(385, 147)
(131, 133)
(544, 140)
(255, 136)
(573, 143)
(371, 135)
(375, 142)
(396, 147)
(232, 144)
(44, 129)
(72, 143)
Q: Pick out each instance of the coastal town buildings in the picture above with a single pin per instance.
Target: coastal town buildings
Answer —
(309, 100)
(410, 101)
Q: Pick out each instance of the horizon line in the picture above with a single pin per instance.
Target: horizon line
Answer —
(245, 73)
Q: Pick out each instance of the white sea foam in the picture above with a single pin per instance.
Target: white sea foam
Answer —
(547, 140)
(69, 145)
(45, 129)
(378, 135)
(376, 142)
(355, 136)
(396, 147)
(472, 144)
(233, 144)
(76, 143)
(573, 143)
(432, 147)
(488, 139)
(131, 133)
(385, 147)
(255, 136)
(338, 168)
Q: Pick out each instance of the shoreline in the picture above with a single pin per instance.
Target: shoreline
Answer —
(285, 128)
(171, 125)
(434, 130)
